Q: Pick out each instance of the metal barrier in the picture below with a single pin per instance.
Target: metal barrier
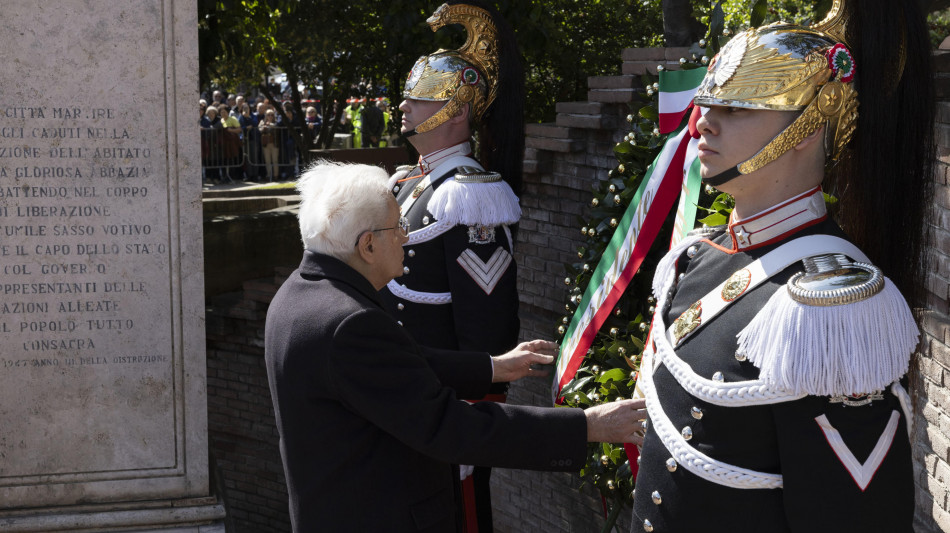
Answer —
(252, 154)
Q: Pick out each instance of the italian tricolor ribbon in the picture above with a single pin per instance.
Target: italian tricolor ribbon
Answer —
(631, 241)
(674, 170)
(677, 88)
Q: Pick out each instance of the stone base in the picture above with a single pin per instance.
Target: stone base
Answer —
(192, 515)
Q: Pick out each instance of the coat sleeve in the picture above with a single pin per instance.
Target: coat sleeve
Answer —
(469, 373)
(845, 468)
(378, 372)
(482, 278)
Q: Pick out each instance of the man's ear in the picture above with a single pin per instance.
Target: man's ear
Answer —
(365, 248)
(816, 136)
(461, 116)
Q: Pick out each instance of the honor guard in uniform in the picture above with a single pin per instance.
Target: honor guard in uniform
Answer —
(459, 287)
(775, 379)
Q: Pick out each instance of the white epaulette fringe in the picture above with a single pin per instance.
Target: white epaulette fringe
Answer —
(853, 348)
(487, 204)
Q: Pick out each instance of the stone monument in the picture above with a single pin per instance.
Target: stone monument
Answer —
(102, 367)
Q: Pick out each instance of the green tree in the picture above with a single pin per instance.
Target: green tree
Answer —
(562, 42)
(566, 41)
(320, 42)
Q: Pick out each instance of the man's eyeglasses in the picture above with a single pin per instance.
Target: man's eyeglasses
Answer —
(402, 226)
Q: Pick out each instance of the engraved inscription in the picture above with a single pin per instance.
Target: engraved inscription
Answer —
(73, 186)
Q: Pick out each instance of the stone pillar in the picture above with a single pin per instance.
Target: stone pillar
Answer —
(102, 372)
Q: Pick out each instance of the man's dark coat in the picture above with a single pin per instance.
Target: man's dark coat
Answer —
(370, 423)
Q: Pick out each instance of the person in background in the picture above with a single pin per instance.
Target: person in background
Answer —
(314, 123)
(289, 156)
(383, 106)
(372, 125)
(211, 130)
(231, 144)
(238, 102)
(251, 140)
(269, 147)
(352, 114)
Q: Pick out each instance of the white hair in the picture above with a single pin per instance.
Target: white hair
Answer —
(338, 202)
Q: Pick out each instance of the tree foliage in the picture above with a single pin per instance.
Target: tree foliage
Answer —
(566, 41)
(316, 41)
(326, 43)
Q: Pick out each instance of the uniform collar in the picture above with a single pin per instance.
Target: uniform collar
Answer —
(778, 221)
(429, 162)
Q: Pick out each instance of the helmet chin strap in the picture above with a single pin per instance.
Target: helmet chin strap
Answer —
(723, 177)
(447, 111)
(804, 125)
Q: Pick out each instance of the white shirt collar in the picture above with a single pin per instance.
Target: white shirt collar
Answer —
(778, 221)
(430, 162)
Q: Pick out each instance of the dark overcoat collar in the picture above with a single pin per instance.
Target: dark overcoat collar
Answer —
(319, 265)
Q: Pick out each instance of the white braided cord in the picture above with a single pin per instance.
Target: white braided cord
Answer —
(693, 460)
(429, 232)
(434, 298)
(728, 394)
(900, 392)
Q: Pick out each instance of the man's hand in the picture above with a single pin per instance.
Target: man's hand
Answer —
(617, 421)
(517, 363)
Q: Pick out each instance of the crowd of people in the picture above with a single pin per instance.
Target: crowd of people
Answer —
(242, 140)
(248, 140)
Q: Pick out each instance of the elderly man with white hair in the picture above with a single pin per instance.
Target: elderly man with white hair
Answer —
(370, 422)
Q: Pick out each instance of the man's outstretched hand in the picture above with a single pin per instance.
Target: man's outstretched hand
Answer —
(616, 421)
(524, 360)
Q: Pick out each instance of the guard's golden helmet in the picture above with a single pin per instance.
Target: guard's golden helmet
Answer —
(468, 75)
(782, 67)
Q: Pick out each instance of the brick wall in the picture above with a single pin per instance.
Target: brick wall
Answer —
(931, 438)
(241, 424)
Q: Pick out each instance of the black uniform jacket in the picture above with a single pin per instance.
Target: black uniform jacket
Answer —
(819, 492)
(370, 422)
(476, 318)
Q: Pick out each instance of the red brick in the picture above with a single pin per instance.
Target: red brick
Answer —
(942, 86)
(635, 68)
(674, 54)
(579, 108)
(554, 145)
(643, 54)
(586, 121)
(549, 130)
(613, 82)
(611, 95)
